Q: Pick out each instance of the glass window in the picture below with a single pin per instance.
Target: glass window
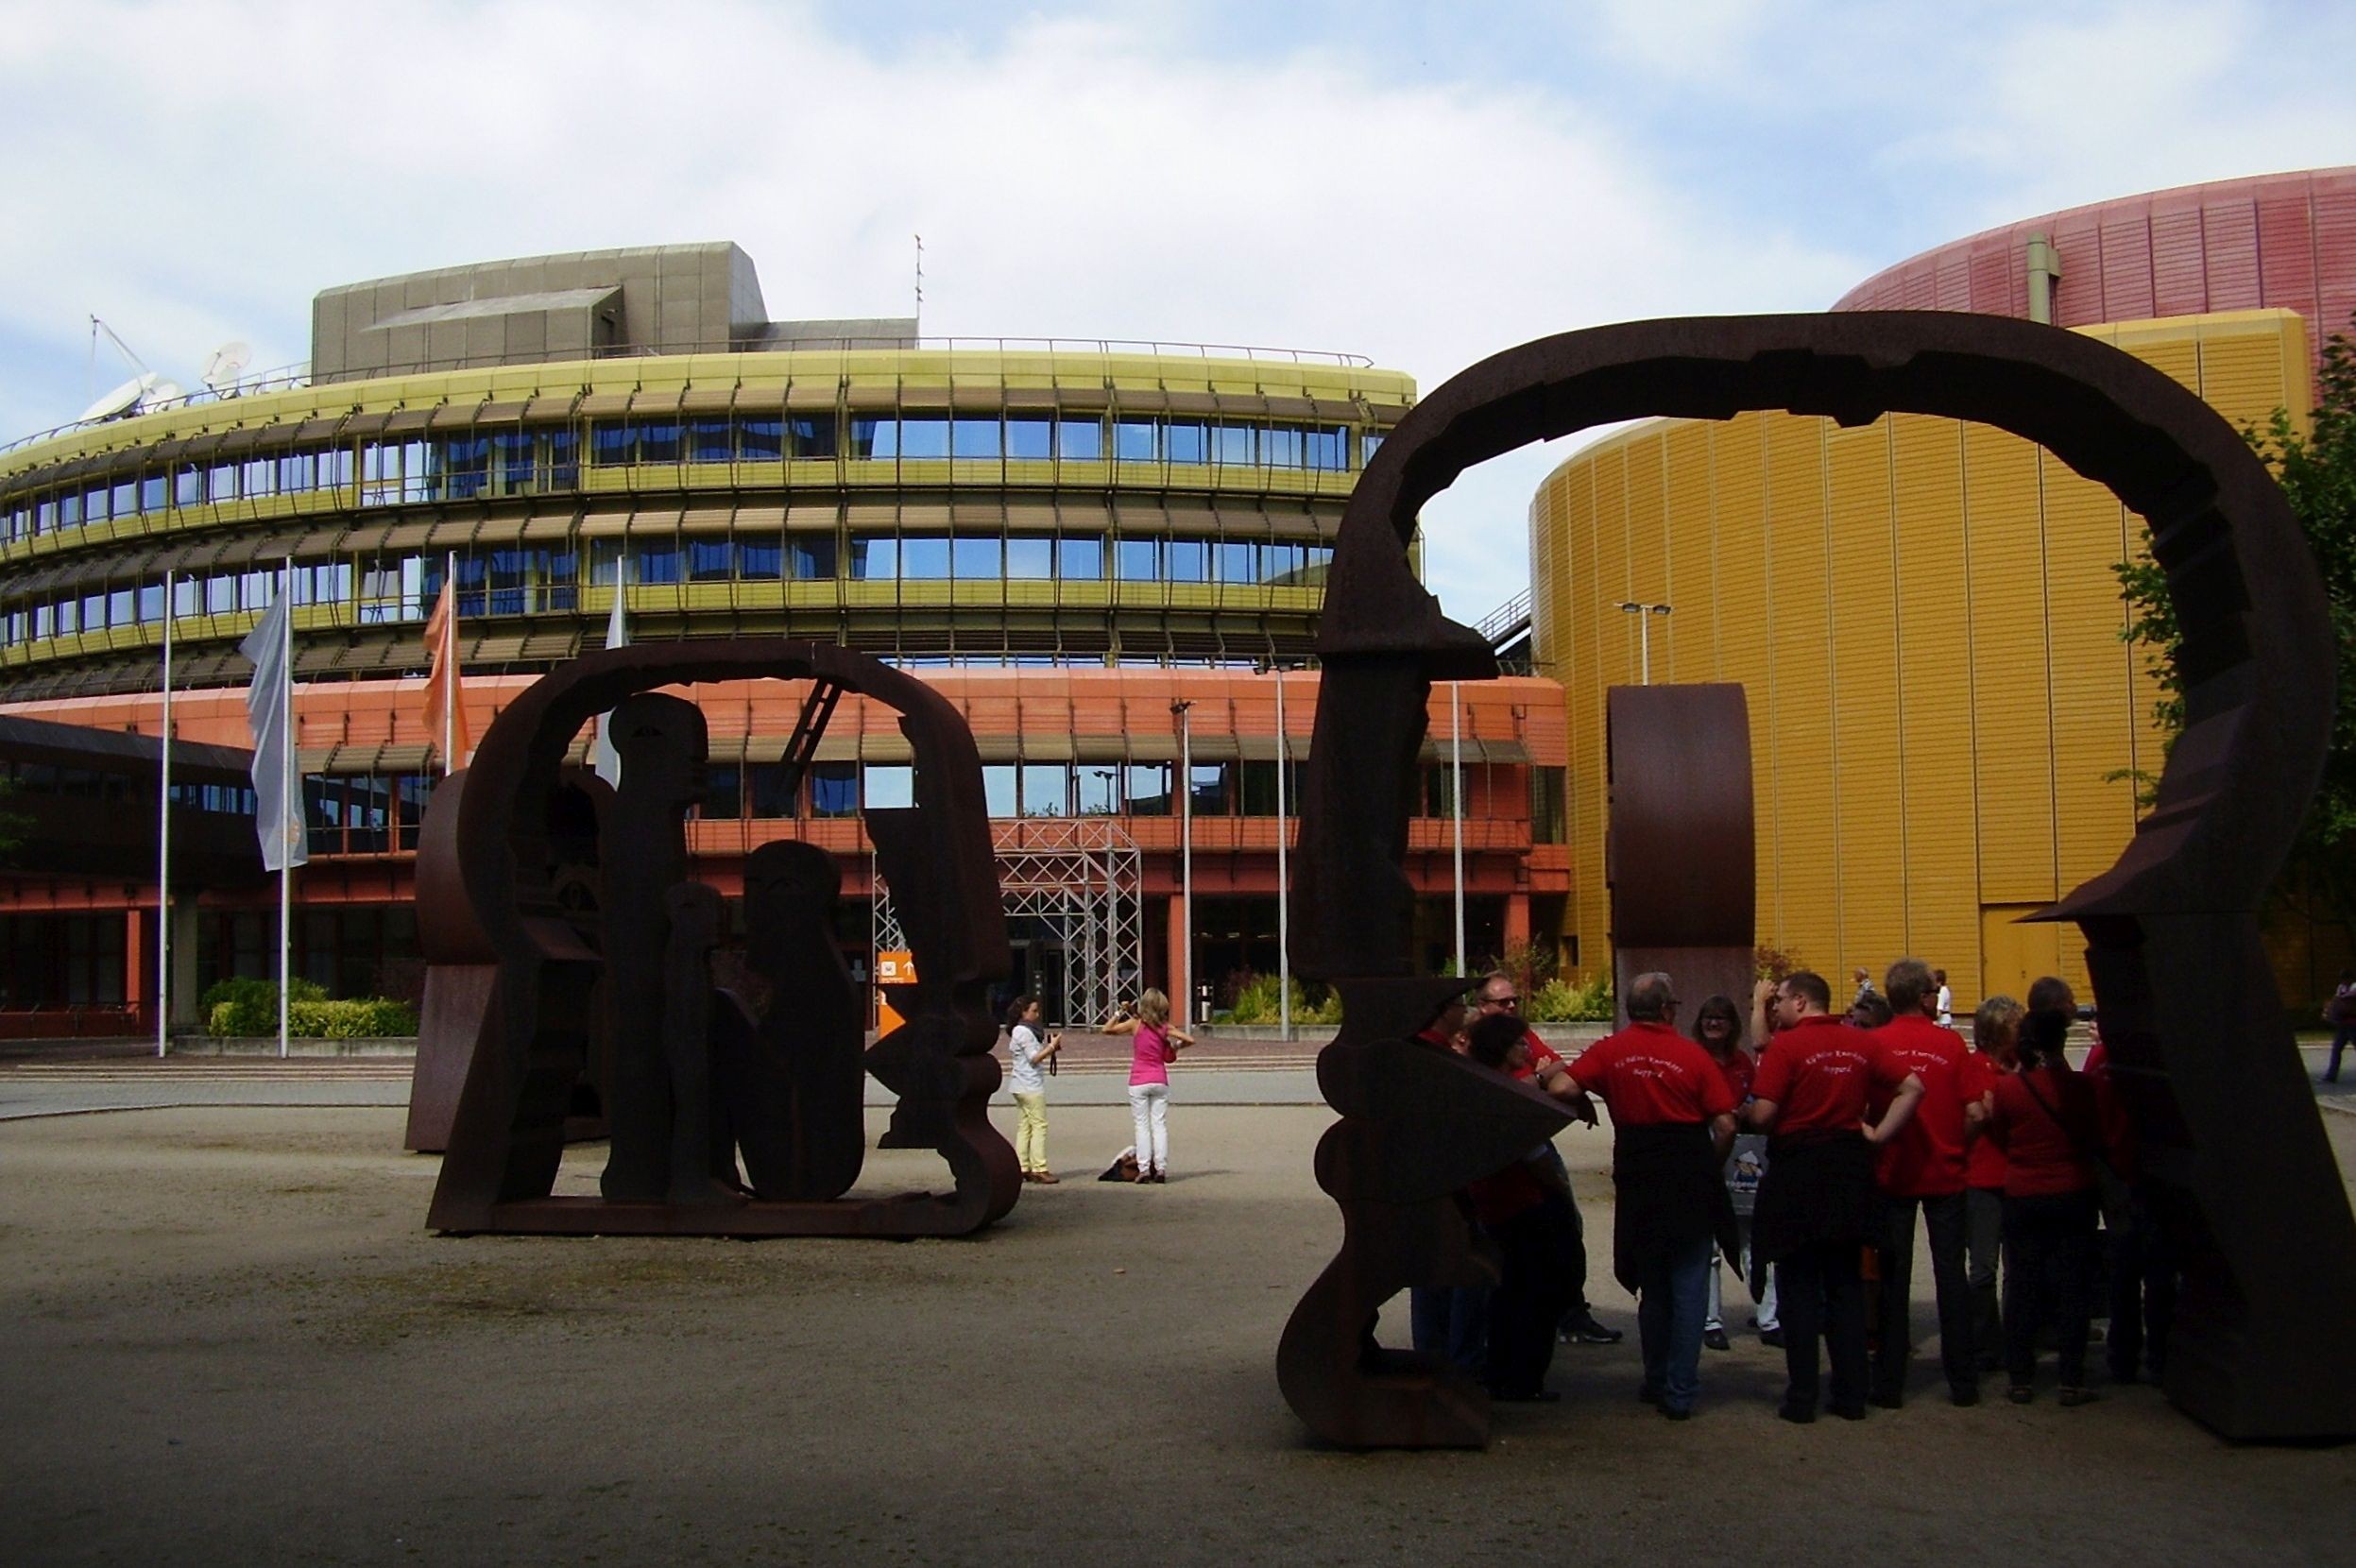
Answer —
(45, 620)
(921, 436)
(973, 559)
(1030, 559)
(724, 792)
(650, 563)
(1080, 558)
(760, 440)
(1232, 445)
(657, 440)
(875, 557)
(1134, 440)
(710, 438)
(562, 452)
(151, 493)
(1099, 789)
(971, 437)
(1188, 442)
(763, 562)
(94, 612)
(1030, 437)
(1368, 444)
(890, 786)
(873, 437)
(70, 510)
(1280, 445)
(924, 558)
(766, 788)
(124, 499)
(1080, 440)
(1137, 561)
(611, 446)
(1280, 563)
(812, 556)
(1549, 813)
(185, 591)
(813, 435)
(123, 608)
(1187, 560)
(604, 562)
(466, 465)
(833, 789)
(997, 787)
(220, 595)
(1234, 561)
(69, 617)
(1213, 789)
(1148, 789)
(1326, 448)
(512, 453)
(709, 560)
(1046, 790)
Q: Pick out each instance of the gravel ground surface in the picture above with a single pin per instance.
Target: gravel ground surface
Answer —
(233, 1342)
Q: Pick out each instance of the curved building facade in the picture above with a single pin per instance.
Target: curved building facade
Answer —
(1076, 536)
(1946, 726)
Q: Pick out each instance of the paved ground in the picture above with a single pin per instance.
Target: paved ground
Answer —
(232, 1340)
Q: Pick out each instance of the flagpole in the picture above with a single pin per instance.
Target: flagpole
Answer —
(163, 845)
(289, 802)
(449, 651)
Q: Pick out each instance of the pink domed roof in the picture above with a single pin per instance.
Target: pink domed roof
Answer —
(2283, 240)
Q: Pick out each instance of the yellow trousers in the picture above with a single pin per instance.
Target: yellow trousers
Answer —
(1031, 1136)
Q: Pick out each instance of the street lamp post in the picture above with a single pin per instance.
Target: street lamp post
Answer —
(1183, 712)
(1643, 630)
(1284, 924)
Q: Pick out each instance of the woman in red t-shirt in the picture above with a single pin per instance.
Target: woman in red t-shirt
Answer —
(2045, 1117)
(1995, 1040)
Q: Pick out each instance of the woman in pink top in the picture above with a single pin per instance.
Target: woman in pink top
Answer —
(1158, 1046)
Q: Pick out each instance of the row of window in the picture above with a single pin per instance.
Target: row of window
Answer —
(526, 462)
(538, 580)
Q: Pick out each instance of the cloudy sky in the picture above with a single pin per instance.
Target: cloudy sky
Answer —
(1423, 184)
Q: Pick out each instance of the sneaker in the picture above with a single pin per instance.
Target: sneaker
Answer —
(1046, 1178)
(1799, 1415)
(1586, 1331)
(1715, 1338)
(1773, 1338)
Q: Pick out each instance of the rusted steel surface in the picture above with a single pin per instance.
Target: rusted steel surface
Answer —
(2234, 1146)
(694, 1077)
(1679, 846)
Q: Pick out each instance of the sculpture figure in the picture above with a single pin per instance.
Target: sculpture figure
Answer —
(2201, 1050)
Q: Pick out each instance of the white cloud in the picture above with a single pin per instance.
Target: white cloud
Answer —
(194, 171)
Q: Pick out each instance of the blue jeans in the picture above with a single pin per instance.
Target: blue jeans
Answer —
(1670, 1306)
(2339, 1043)
(1452, 1321)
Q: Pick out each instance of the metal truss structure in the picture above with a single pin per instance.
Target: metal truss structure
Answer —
(1074, 885)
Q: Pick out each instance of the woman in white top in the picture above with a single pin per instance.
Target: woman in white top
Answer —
(1029, 1052)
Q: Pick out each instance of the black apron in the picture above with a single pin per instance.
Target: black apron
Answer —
(1818, 1191)
(1671, 1194)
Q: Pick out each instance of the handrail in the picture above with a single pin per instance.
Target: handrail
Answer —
(1505, 619)
(294, 377)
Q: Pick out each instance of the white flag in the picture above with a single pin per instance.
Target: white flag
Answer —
(604, 760)
(270, 712)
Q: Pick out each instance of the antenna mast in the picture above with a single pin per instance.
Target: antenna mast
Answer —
(920, 286)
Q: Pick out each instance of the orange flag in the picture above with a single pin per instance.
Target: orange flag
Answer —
(445, 697)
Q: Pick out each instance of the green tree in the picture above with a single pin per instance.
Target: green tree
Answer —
(2317, 472)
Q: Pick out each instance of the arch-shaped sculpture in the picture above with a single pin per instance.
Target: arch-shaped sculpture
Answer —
(2233, 1145)
(507, 1136)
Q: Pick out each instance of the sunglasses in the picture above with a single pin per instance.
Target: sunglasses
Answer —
(1501, 1001)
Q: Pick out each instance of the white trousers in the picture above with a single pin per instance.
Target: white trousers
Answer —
(1148, 1106)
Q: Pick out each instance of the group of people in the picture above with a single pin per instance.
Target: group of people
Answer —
(1858, 1122)
(1030, 1054)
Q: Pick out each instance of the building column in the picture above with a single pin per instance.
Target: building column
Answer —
(1516, 919)
(1181, 924)
(139, 980)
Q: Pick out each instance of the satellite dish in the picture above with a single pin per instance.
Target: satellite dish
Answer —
(119, 401)
(222, 366)
(160, 393)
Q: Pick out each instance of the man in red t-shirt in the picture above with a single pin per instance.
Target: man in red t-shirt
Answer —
(1815, 1209)
(1924, 1165)
(1673, 1122)
(1500, 997)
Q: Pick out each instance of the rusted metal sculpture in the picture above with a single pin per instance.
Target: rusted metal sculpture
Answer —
(694, 1079)
(2233, 1144)
(1681, 850)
